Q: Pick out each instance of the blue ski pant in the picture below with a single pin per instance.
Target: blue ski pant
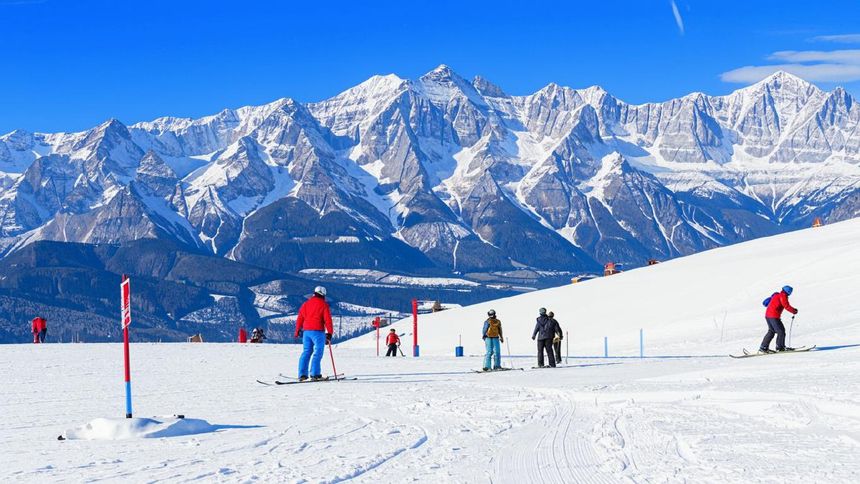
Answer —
(312, 352)
(774, 327)
(494, 352)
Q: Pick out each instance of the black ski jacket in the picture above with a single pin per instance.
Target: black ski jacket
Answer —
(557, 328)
(544, 328)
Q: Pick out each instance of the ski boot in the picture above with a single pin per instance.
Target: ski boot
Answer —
(766, 351)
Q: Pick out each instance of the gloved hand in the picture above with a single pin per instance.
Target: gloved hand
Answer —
(560, 337)
(328, 338)
(300, 333)
(796, 310)
(484, 337)
(501, 339)
(533, 338)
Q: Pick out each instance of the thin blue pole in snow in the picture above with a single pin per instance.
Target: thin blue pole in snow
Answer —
(606, 346)
(641, 343)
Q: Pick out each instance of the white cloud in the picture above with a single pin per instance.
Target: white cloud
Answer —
(812, 65)
(842, 38)
(814, 73)
(678, 20)
(832, 56)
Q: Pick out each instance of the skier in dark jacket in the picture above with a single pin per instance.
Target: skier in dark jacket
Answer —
(556, 340)
(393, 341)
(773, 316)
(544, 332)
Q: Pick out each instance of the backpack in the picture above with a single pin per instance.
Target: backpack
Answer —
(766, 302)
(494, 329)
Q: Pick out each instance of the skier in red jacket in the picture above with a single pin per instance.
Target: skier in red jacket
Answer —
(315, 328)
(393, 341)
(776, 304)
(36, 327)
(43, 329)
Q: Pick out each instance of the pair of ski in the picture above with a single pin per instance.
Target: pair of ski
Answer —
(497, 370)
(747, 354)
(289, 380)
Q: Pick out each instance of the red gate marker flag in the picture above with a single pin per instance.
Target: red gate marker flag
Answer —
(125, 294)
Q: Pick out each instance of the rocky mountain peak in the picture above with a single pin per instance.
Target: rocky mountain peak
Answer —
(152, 165)
(442, 85)
(487, 88)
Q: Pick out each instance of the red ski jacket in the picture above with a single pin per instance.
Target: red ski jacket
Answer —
(778, 302)
(39, 324)
(314, 315)
(392, 339)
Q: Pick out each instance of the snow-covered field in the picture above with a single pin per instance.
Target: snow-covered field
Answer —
(686, 412)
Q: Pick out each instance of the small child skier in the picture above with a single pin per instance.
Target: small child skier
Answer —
(393, 341)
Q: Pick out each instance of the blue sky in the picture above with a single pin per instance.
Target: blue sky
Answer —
(69, 65)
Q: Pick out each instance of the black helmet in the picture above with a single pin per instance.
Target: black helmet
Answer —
(551, 314)
(542, 311)
(491, 313)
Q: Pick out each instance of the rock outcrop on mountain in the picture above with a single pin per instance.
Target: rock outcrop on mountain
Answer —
(445, 174)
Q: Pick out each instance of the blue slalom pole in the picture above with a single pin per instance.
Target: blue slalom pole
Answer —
(606, 346)
(128, 399)
(641, 343)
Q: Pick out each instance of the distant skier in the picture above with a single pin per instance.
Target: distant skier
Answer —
(43, 329)
(393, 341)
(544, 332)
(257, 335)
(775, 305)
(492, 335)
(36, 328)
(314, 326)
(556, 339)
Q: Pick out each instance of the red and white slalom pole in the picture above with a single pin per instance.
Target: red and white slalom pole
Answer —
(125, 291)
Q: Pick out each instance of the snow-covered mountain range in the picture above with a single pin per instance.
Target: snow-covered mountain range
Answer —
(447, 174)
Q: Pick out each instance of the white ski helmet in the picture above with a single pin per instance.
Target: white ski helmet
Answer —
(319, 290)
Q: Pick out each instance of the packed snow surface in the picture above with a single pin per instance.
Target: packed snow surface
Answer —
(685, 412)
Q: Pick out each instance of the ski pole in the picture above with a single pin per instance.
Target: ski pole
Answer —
(510, 358)
(790, 328)
(331, 353)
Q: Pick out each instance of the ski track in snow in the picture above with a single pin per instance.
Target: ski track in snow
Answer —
(432, 419)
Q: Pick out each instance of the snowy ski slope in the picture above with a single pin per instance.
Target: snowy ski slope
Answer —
(707, 303)
(698, 416)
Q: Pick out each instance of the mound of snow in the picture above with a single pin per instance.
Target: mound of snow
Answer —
(705, 303)
(138, 428)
